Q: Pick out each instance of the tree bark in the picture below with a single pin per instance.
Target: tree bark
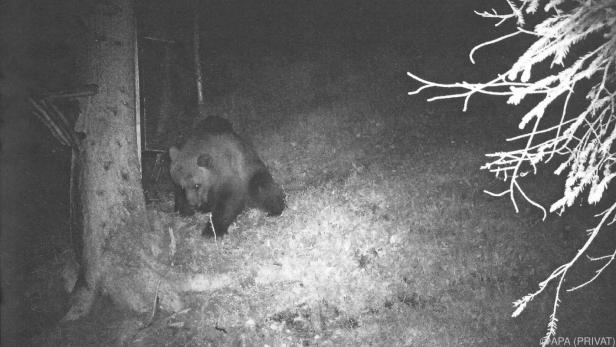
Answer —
(118, 256)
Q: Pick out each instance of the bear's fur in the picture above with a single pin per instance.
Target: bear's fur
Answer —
(217, 171)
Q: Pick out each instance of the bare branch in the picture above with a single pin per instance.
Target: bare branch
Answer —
(583, 142)
(487, 43)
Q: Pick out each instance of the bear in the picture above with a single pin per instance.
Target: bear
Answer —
(217, 171)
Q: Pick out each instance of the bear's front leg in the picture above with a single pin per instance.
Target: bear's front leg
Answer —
(181, 203)
(227, 206)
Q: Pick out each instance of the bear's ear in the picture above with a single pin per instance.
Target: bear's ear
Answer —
(173, 153)
(204, 161)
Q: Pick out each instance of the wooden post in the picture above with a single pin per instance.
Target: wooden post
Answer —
(137, 97)
(197, 56)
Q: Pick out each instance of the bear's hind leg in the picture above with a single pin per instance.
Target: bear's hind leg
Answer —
(268, 195)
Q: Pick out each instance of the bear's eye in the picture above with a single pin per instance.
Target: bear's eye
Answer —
(197, 186)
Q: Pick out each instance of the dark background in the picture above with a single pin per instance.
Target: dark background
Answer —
(41, 49)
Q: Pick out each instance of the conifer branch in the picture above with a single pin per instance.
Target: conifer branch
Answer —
(583, 142)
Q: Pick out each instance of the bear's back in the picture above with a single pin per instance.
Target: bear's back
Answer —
(231, 157)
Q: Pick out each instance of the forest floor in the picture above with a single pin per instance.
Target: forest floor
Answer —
(388, 238)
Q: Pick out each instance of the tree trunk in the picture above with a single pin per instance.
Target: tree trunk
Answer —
(122, 257)
(117, 252)
(197, 57)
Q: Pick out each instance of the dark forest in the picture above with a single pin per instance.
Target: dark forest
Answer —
(382, 233)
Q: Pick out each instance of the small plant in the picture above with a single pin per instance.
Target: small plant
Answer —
(582, 142)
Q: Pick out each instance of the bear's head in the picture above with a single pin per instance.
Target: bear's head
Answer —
(194, 174)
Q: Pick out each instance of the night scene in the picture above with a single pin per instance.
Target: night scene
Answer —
(308, 173)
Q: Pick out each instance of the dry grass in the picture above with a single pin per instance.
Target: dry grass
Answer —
(387, 240)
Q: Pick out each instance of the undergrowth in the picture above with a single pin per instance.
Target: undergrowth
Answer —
(387, 239)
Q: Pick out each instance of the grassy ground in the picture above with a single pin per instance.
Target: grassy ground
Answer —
(388, 239)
